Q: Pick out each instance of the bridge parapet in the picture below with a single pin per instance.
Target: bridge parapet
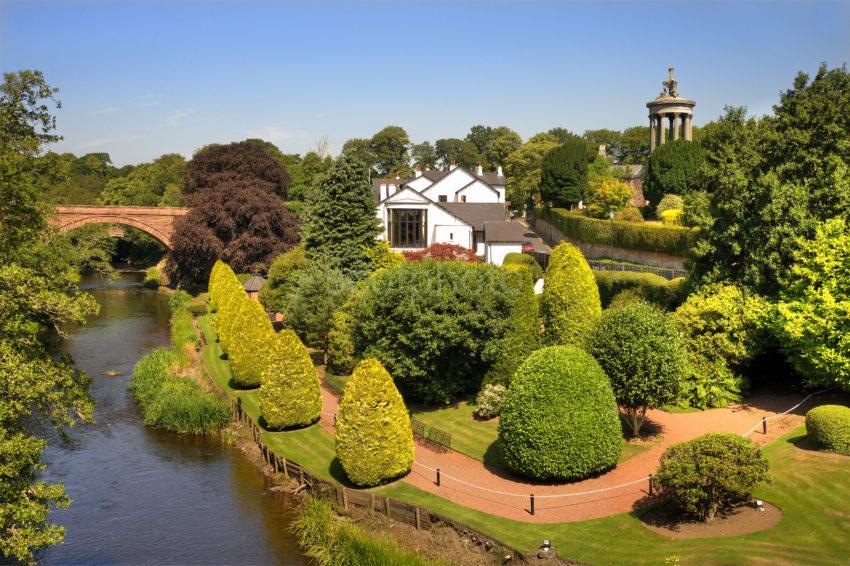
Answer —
(156, 221)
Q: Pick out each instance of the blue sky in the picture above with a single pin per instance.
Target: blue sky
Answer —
(139, 79)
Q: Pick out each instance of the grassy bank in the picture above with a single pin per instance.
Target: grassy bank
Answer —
(167, 395)
(809, 487)
(329, 540)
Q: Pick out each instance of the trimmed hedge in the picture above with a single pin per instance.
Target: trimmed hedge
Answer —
(290, 394)
(651, 287)
(829, 428)
(374, 439)
(571, 306)
(672, 240)
(525, 260)
(249, 345)
(559, 417)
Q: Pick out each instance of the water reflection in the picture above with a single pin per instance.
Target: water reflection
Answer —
(143, 496)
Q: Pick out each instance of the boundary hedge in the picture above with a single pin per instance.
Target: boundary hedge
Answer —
(672, 240)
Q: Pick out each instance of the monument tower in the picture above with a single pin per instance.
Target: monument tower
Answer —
(670, 116)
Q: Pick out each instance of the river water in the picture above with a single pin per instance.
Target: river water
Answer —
(142, 496)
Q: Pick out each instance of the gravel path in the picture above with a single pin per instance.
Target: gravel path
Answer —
(498, 492)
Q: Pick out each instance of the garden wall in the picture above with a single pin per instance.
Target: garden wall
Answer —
(590, 250)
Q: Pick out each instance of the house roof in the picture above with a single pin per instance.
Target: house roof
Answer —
(504, 232)
(254, 283)
(489, 177)
(476, 214)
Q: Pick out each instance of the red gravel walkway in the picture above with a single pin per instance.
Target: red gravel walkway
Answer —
(457, 468)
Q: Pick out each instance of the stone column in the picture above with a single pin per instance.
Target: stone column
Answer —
(662, 129)
(690, 127)
(652, 134)
(677, 125)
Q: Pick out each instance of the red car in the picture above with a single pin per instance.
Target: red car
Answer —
(527, 246)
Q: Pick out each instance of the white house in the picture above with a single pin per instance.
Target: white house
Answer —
(449, 207)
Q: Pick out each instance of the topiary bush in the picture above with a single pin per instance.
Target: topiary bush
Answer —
(571, 306)
(652, 288)
(629, 214)
(643, 355)
(672, 217)
(249, 348)
(669, 202)
(488, 403)
(340, 349)
(374, 440)
(711, 473)
(290, 394)
(559, 417)
(829, 427)
(282, 276)
(525, 260)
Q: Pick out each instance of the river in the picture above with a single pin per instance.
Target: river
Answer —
(142, 496)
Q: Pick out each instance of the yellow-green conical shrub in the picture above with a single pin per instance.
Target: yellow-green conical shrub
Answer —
(571, 306)
(249, 341)
(214, 286)
(289, 394)
(374, 441)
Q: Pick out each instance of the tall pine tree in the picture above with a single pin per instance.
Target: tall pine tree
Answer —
(339, 219)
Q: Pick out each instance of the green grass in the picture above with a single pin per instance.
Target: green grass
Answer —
(336, 382)
(809, 487)
(480, 439)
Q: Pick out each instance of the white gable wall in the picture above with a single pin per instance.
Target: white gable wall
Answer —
(448, 185)
(478, 191)
(442, 227)
(497, 251)
(419, 184)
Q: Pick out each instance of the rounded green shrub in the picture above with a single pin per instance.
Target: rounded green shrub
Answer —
(290, 394)
(282, 276)
(651, 287)
(559, 417)
(488, 403)
(515, 258)
(829, 427)
(340, 349)
(642, 353)
(711, 473)
(670, 202)
(374, 440)
(571, 306)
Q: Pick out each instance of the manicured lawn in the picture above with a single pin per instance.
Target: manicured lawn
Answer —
(480, 439)
(810, 488)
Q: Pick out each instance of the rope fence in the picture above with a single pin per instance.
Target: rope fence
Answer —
(440, 475)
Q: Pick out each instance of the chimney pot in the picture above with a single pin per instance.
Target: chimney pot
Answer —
(478, 169)
(452, 165)
(417, 172)
(499, 171)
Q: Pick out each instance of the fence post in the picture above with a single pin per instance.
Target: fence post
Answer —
(764, 425)
(344, 500)
(532, 504)
(285, 471)
(438, 477)
(651, 485)
(416, 510)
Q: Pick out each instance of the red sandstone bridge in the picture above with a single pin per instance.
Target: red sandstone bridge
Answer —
(156, 221)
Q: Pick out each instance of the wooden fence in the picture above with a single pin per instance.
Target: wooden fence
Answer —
(350, 500)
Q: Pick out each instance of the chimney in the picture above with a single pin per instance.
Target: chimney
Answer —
(453, 165)
(427, 166)
(382, 189)
(499, 171)
(391, 187)
(478, 169)
(602, 151)
(417, 172)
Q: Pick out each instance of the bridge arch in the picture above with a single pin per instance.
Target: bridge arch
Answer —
(155, 221)
(162, 238)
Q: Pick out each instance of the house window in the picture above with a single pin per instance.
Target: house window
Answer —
(462, 198)
(443, 198)
(407, 227)
(451, 236)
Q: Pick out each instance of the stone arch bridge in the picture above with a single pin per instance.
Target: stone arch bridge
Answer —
(156, 221)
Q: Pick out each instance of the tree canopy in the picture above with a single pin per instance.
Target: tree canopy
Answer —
(563, 174)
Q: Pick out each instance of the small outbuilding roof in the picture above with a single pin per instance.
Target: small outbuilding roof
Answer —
(254, 283)
(504, 232)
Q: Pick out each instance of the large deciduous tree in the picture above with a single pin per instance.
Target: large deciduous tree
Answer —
(234, 217)
(522, 168)
(390, 149)
(771, 181)
(463, 153)
(37, 269)
(339, 219)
